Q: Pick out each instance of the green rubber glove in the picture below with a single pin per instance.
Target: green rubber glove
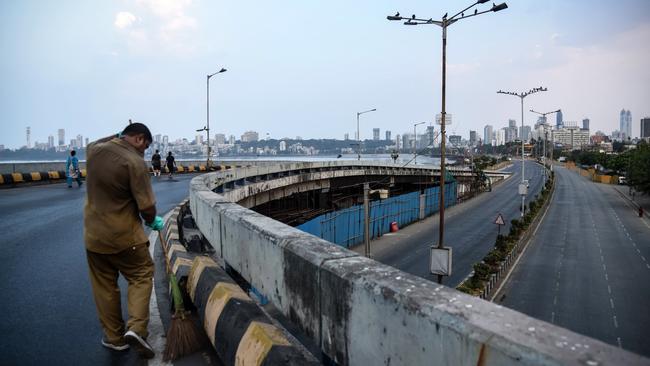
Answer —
(157, 223)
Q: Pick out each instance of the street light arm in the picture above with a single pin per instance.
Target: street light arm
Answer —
(463, 11)
(369, 110)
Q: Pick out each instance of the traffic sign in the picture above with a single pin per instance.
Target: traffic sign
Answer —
(499, 220)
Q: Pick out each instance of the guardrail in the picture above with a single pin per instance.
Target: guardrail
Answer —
(362, 312)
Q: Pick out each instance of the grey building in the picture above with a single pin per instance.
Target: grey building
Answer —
(645, 127)
(585, 124)
(387, 135)
(525, 133)
(472, 137)
(487, 135)
(559, 121)
(375, 134)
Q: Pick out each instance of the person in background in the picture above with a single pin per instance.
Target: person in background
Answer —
(119, 197)
(171, 164)
(72, 169)
(155, 164)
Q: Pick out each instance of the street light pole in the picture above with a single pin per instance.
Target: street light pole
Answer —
(444, 23)
(523, 189)
(358, 135)
(545, 136)
(415, 142)
(207, 118)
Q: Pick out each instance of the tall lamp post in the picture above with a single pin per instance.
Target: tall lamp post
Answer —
(444, 23)
(545, 136)
(415, 142)
(523, 189)
(358, 135)
(207, 114)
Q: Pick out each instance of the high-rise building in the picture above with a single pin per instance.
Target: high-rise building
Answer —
(645, 127)
(559, 121)
(387, 135)
(585, 123)
(626, 123)
(220, 139)
(165, 140)
(375, 134)
(61, 136)
(87, 141)
(50, 141)
(431, 136)
(398, 142)
(500, 137)
(283, 145)
(29, 138)
(455, 140)
(472, 137)
(249, 136)
(346, 136)
(487, 135)
(511, 131)
(157, 138)
(512, 123)
(199, 139)
(80, 142)
(231, 140)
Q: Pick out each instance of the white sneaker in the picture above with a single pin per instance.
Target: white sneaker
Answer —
(140, 344)
(115, 347)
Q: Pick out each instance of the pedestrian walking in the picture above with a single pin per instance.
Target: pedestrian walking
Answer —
(119, 196)
(171, 164)
(155, 164)
(72, 169)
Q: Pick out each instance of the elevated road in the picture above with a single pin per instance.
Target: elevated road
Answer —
(46, 302)
(587, 268)
(469, 229)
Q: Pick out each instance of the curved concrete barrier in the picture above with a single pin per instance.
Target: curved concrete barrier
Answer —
(362, 312)
(240, 332)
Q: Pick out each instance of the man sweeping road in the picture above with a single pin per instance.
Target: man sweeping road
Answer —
(119, 194)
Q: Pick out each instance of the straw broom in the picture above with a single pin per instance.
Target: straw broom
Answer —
(183, 336)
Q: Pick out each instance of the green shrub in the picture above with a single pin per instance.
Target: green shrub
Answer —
(481, 271)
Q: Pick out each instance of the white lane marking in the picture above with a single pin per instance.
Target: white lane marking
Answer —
(620, 345)
(555, 300)
(611, 302)
(615, 322)
(609, 289)
(553, 317)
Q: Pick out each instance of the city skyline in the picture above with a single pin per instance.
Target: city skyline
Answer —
(147, 60)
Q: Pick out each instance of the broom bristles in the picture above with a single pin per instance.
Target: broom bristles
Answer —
(183, 338)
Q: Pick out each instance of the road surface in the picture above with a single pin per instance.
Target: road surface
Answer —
(587, 268)
(46, 302)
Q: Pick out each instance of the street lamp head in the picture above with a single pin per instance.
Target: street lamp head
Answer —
(482, 1)
(222, 70)
(409, 22)
(394, 17)
(374, 109)
(499, 7)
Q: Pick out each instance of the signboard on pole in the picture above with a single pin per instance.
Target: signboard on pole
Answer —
(447, 118)
(440, 261)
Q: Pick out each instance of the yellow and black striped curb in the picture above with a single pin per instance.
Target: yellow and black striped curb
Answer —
(12, 179)
(18, 178)
(238, 329)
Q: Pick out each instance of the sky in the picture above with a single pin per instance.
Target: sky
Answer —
(305, 68)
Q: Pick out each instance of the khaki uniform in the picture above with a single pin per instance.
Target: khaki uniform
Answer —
(119, 187)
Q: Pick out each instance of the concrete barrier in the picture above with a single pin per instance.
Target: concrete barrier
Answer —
(362, 312)
(240, 331)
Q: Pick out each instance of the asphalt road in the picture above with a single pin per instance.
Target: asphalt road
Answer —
(469, 229)
(46, 302)
(587, 268)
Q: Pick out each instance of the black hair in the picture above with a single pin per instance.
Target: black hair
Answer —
(156, 151)
(73, 153)
(169, 154)
(138, 128)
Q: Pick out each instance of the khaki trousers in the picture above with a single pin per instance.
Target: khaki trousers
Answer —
(136, 266)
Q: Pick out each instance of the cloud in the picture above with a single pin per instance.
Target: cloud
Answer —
(166, 26)
(124, 19)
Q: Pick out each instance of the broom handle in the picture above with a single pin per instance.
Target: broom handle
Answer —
(176, 291)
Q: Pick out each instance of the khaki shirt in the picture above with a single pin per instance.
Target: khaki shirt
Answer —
(119, 187)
